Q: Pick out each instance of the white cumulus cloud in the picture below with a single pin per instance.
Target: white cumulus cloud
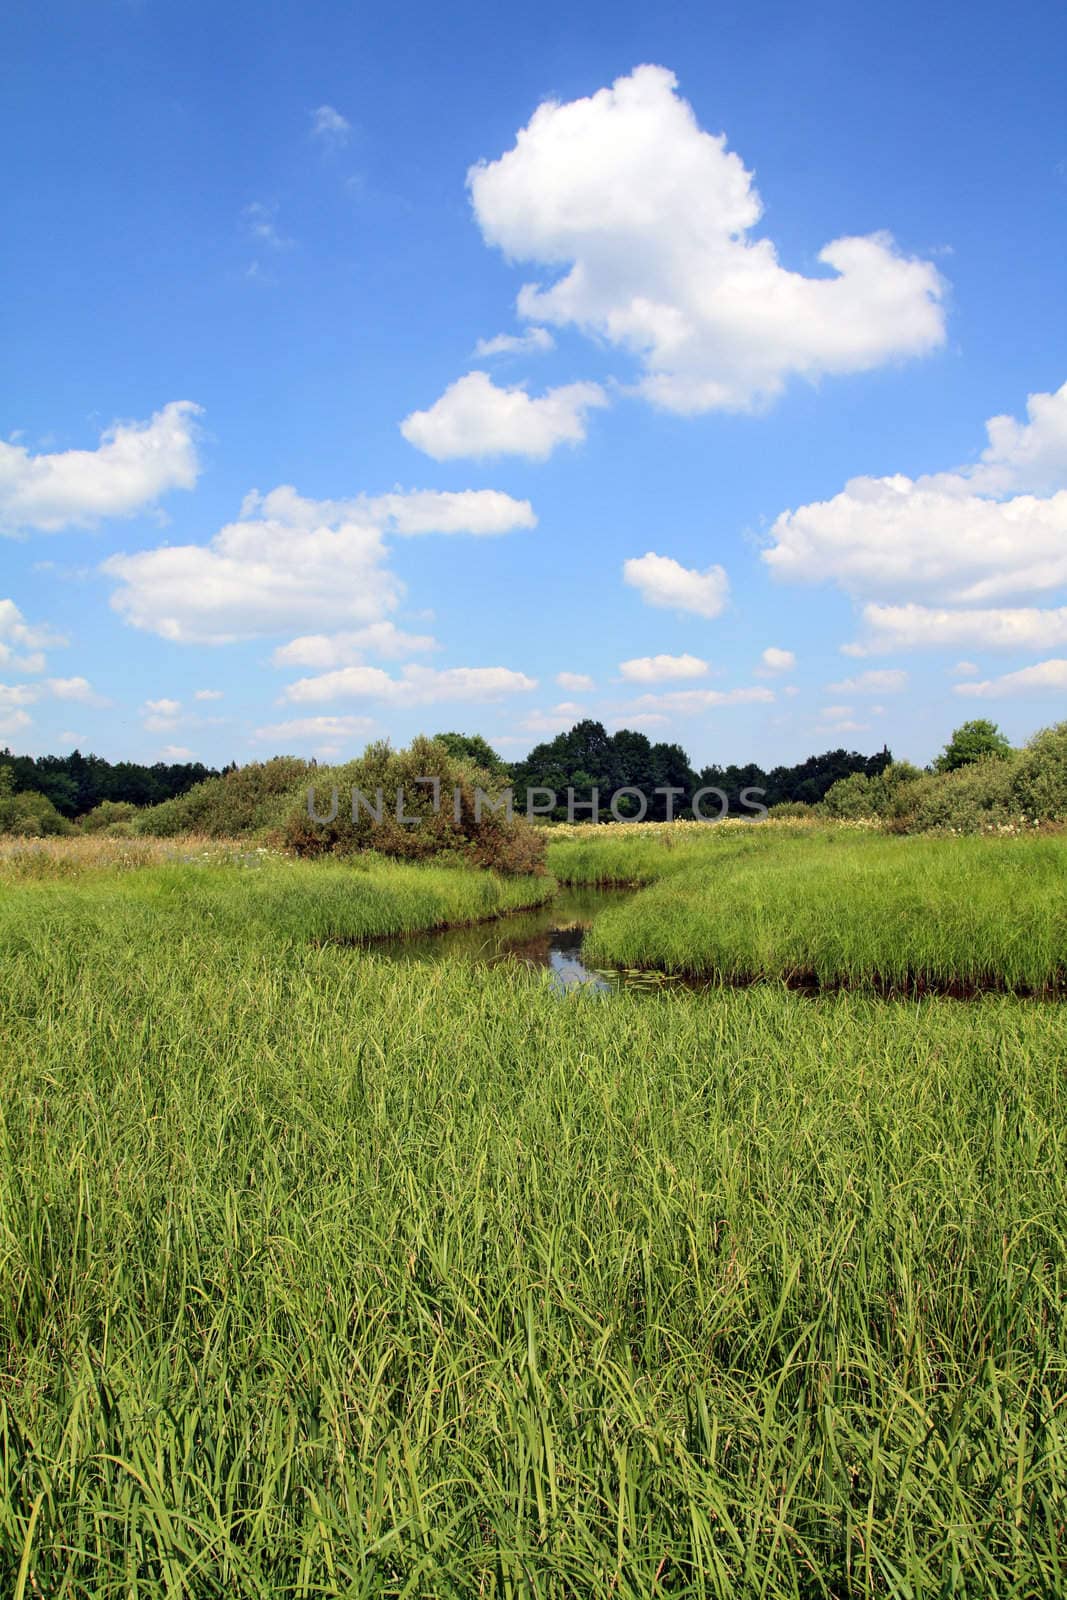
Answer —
(77, 689)
(1042, 675)
(647, 219)
(314, 730)
(689, 701)
(22, 644)
(134, 465)
(913, 627)
(160, 716)
(960, 538)
(576, 682)
(417, 685)
(890, 681)
(662, 581)
(348, 649)
(289, 562)
(775, 660)
(476, 417)
(660, 669)
(535, 341)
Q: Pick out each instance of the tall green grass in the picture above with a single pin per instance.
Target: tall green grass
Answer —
(853, 908)
(641, 853)
(366, 897)
(326, 1276)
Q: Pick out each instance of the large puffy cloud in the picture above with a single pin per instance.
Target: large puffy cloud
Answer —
(22, 644)
(1001, 628)
(290, 562)
(662, 581)
(965, 537)
(417, 686)
(661, 669)
(1042, 675)
(649, 219)
(135, 464)
(476, 417)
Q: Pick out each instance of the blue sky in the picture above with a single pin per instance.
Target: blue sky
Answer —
(753, 283)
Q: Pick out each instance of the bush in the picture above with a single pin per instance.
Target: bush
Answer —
(969, 799)
(108, 815)
(30, 815)
(245, 800)
(861, 796)
(489, 840)
(791, 808)
(1039, 777)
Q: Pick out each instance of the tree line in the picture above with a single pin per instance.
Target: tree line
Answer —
(589, 757)
(585, 758)
(75, 784)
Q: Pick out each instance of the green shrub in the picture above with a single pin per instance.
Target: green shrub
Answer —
(248, 799)
(791, 808)
(489, 839)
(969, 799)
(1039, 777)
(109, 814)
(30, 815)
(861, 796)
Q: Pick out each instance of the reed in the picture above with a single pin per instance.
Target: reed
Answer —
(322, 1275)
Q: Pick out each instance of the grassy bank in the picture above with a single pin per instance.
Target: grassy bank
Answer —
(841, 907)
(243, 893)
(641, 853)
(324, 1276)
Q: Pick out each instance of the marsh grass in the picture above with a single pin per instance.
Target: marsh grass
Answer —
(322, 1275)
(840, 907)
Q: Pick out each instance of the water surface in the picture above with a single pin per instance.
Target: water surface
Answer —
(547, 938)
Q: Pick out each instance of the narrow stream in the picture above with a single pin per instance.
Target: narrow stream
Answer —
(549, 937)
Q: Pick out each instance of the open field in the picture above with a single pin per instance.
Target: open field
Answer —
(324, 1275)
(834, 907)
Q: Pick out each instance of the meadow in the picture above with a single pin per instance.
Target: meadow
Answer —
(832, 906)
(327, 1275)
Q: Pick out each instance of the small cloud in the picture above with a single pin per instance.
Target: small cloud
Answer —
(208, 694)
(888, 681)
(330, 127)
(775, 660)
(534, 342)
(79, 689)
(261, 222)
(965, 669)
(659, 669)
(662, 581)
(477, 418)
(314, 730)
(576, 682)
(176, 752)
(159, 716)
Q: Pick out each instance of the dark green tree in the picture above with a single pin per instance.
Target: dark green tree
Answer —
(973, 741)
